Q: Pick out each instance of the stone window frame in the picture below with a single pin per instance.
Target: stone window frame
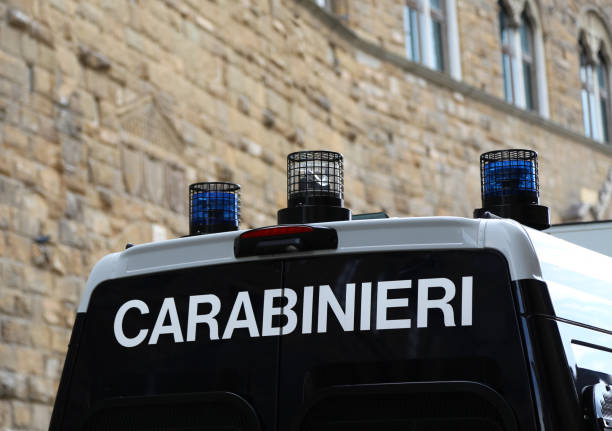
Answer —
(447, 15)
(594, 48)
(525, 14)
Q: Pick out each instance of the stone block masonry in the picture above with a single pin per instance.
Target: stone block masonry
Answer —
(109, 109)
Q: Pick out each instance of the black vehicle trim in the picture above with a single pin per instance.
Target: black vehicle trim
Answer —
(485, 391)
(551, 373)
(57, 416)
(249, 413)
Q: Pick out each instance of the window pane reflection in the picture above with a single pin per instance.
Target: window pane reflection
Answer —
(438, 53)
(507, 78)
(411, 32)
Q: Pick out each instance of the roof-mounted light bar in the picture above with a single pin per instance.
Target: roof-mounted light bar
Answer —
(510, 187)
(315, 188)
(213, 207)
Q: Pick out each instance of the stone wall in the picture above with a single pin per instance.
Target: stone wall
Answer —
(109, 109)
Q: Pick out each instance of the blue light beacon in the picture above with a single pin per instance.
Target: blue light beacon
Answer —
(510, 188)
(213, 207)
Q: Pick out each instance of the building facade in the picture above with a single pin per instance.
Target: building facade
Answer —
(110, 108)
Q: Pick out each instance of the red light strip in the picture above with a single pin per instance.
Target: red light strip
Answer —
(276, 231)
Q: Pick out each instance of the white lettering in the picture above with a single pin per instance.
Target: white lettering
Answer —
(168, 308)
(118, 325)
(282, 303)
(346, 317)
(383, 302)
(269, 311)
(366, 305)
(307, 310)
(243, 301)
(466, 301)
(424, 303)
(193, 318)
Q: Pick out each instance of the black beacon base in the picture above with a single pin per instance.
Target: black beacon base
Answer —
(312, 214)
(535, 216)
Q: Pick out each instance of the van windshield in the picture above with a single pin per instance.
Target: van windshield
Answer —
(579, 280)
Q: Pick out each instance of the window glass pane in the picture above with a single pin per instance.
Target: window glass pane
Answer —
(525, 32)
(585, 113)
(604, 120)
(435, 4)
(507, 78)
(516, 69)
(321, 3)
(602, 76)
(436, 38)
(527, 77)
(503, 26)
(414, 26)
(408, 33)
(583, 64)
(594, 127)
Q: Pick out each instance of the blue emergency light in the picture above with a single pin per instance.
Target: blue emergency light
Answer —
(213, 207)
(510, 187)
(507, 178)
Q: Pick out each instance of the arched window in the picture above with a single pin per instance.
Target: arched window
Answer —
(595, 96)
(431, 34)
(522, 50)
(594, 49)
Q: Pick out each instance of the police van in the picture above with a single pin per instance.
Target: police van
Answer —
(332, 322)
(595, 235)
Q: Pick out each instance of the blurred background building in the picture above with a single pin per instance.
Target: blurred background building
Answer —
(110, 108)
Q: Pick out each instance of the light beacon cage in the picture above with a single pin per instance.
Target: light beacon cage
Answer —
(315, 188)
(213, 207)
(509, 187)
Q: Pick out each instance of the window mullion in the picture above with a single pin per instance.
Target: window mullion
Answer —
(452, 40)
(426, 42)
(540, 73)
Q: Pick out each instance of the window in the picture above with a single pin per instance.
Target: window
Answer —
(594, 48)
(518, 60)
(431, 35)
(595, 96)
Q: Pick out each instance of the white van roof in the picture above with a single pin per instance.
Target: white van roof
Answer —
(359, 236)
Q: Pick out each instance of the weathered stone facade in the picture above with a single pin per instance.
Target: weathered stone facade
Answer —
(110, 108)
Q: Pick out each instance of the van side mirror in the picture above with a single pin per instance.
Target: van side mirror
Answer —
(597, 400)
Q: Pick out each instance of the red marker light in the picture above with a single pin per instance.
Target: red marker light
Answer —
(276, 231)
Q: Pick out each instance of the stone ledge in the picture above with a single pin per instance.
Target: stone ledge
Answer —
(337, 26)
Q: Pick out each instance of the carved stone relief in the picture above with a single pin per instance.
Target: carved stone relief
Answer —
(151, 148)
